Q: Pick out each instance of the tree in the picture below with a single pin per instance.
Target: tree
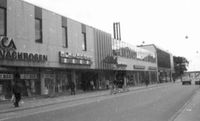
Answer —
(180, 65)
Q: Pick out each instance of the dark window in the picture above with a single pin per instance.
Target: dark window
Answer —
(38, 24)
(38, 30)
(163, 59)
(64, 36)
(84, 44)
(2, 22)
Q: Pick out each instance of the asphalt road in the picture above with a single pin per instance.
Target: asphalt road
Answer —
(151, 104)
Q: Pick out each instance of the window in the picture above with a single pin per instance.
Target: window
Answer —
(38, 30)
(64, 36)
(84, 46)
(38, 24)
(2, 21)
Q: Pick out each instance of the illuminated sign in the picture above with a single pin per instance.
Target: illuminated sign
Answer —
(6, 76)
(138, 67)
(152, 68)
(8, 52)
(28, 76)
(69, 58)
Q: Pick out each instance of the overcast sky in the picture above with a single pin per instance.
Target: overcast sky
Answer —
(164, 23)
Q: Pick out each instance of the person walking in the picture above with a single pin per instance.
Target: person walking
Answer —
(17, 90)
(147, 82)
(72, 86)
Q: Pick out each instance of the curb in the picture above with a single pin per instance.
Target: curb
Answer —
(173, 118)
(50, 103)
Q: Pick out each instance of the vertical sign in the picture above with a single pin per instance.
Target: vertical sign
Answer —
(117, 31)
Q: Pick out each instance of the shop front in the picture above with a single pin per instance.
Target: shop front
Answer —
(30, 83)
(5, 85)
(62, 83)
(48, 83)
(55, 82)
(164, 75)
(27, 64)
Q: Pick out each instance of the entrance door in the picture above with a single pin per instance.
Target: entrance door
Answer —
(48, 84)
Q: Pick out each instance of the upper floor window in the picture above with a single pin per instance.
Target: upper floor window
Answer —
(64, 36)
(38, 24)
(38, 30)
(2, 21)
(84, 44)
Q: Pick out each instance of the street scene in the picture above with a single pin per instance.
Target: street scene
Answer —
(156, 103)
(73, 60)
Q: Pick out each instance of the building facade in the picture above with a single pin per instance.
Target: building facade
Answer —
(51, 51)
(164, 62)
(134, 65)
(48, 50)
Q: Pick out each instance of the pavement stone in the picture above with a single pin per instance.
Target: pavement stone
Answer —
(7, 107)
(192, 109)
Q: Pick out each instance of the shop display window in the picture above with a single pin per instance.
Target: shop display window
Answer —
(62, 82)
(30, 84)
(5, 86)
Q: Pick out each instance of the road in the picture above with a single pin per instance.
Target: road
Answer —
(151, 104)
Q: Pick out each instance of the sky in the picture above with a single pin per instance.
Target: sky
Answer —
(165, 23)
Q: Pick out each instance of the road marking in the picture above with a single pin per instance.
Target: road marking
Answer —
(189, 110)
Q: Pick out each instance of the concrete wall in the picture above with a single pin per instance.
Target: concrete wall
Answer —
(103, 48)
(21, 27)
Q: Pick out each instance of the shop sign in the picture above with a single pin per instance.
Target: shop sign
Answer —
(28, 76)
(8, 52)
(6, 76)
(69, 58)
(138, 67)
(49, 76)
(152, 68)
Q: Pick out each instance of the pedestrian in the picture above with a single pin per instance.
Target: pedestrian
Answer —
(92, 85)
(16, 90)
(107, 84)
(112, 88)
(72, 86)
(147, 82)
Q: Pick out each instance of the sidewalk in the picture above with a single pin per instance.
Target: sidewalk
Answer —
(39, 102)
(192, 110)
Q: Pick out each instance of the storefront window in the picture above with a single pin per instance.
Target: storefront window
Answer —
(62, 82)
(5, 86)
(30, 84)
(48, 87)
(126, 50)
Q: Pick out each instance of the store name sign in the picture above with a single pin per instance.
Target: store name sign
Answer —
(69, 58)
(6, 76)
(28, 76)
(8, 52)
(138, 67)
(152, 68)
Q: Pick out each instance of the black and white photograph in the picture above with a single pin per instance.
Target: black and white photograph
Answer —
(99, 60)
